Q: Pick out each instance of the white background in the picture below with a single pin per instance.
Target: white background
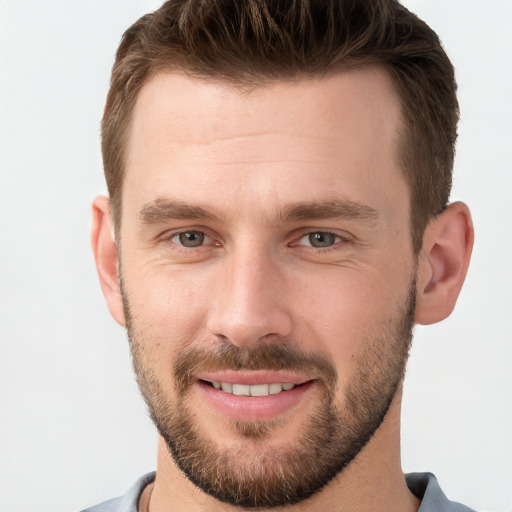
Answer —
(73, 430)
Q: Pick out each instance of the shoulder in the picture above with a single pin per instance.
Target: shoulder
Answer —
(128, 502)
(426, 487)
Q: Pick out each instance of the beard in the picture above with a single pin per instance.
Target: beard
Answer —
(331, 437)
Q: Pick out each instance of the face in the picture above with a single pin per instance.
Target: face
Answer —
(267, 276)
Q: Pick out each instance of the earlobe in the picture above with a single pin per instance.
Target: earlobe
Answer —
(106, 256)
(443, 263)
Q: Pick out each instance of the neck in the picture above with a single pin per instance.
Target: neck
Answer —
(373, 481)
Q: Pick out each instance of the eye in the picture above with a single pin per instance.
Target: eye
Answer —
(320, 239)
(191, 239)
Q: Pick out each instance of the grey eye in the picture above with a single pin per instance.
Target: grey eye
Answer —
(321, 239)
(191, 238)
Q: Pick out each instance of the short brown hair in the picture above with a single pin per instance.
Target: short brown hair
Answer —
(253, 42)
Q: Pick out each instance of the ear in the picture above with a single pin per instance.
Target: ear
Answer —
(106, 255)
(443, 263)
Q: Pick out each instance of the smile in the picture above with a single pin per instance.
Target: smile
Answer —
(253, 396)
(252, 390)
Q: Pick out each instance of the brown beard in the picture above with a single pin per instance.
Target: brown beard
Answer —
(331, 437)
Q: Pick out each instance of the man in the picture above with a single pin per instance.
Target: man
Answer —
(278, 220)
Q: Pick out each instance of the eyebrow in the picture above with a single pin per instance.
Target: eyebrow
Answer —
(334, 209)
(162, 210)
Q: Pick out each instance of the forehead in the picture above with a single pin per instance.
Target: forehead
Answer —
(336, 134)
(195, 109)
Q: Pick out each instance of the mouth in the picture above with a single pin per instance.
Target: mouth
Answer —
(252, 390)
(253, 396)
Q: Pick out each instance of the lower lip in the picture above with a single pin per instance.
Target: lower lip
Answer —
(257, 408)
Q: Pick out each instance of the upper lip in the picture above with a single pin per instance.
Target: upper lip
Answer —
(254, 377)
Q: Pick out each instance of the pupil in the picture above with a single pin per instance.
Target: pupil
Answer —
(321, 239)
(192, 238)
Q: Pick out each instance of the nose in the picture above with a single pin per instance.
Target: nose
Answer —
(250, 300)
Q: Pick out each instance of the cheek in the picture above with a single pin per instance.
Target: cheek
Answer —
(167, 309)
(343, 312)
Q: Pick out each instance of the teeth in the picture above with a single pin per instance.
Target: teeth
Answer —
(275, 388)
(241, 389)
(259, 390)
(227, 387)
(255, 390)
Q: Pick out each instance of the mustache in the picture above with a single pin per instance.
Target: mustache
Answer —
(275, 355)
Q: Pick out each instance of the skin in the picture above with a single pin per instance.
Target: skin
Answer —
(248, 156)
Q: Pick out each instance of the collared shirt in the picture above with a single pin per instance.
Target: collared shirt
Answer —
(422, 485)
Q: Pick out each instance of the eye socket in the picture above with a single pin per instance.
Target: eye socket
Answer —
(320, 239)
(191, 239)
